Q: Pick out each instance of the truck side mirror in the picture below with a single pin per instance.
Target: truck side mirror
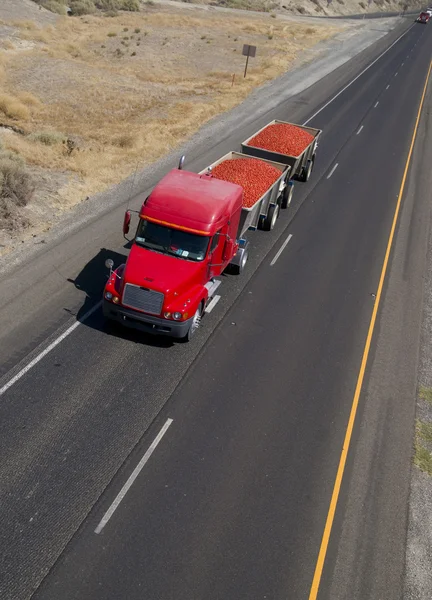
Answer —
(126, 222)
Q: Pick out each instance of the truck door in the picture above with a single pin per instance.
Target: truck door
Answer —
(215, 254)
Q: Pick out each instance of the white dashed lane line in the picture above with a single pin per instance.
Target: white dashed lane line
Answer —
(332, 171)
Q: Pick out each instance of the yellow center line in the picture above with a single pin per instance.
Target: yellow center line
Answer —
(339, 475)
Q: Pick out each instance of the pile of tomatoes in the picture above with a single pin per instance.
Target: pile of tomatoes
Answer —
(253, 175)
(282, 138)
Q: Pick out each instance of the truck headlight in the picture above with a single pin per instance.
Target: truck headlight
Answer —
(108, 295)
(167, 315)
(177, 316)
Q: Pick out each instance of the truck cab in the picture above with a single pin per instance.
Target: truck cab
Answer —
(186, 237)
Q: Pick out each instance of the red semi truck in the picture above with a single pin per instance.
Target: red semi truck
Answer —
(423, 18)
(192, 228)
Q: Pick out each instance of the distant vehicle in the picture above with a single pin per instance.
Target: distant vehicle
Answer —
(423, 18)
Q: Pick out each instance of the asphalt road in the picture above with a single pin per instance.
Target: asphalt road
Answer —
(233, 501)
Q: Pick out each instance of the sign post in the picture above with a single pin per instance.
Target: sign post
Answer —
(248, 51)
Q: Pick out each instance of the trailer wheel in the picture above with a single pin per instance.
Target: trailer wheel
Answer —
(196, 321)
(287, 195)
(271, 218)
(307, 170)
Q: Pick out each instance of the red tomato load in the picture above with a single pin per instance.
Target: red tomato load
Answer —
(283, 138)
(253, 175)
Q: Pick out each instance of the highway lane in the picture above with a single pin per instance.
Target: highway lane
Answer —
(233, 501)
(64, 430)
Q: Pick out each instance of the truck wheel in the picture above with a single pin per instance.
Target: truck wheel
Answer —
(196, 321)
(287, 195)
(271, 218)
(307, 170)
(237, 269)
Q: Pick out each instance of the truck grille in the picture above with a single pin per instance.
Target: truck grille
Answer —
(143, 299)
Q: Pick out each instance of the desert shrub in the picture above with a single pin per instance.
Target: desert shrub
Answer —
(111, 34)
(54, 6)
(12, 107)
(362, 5)
(28, 99)
(111, 13)
(131, 5)
(125, 140)
(341, 2)
(16, 185)
(48, 138)
(301, 10)
(82, 7)
(15, 182)
(107, 4)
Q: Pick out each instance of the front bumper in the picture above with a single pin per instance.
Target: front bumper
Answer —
(146, 323)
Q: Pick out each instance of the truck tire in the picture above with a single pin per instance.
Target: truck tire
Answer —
(270, 221)
(287, 195)
(237, 269)
(307, 170)
(194, 324)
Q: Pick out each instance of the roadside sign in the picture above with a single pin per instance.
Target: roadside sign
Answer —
(248, 51)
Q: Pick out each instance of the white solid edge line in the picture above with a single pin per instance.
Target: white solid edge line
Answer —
(357, 77)
(212, 304)
(359, 130)
(376, 104)
(281, 249)
(332, 171)
(48, 349)
(109, 513)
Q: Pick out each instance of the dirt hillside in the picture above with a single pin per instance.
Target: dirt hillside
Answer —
(319, 8)
(22, 10)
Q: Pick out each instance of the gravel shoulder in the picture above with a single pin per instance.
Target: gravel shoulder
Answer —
(418, 578)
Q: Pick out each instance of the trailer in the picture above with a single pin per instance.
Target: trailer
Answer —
(301, 166)
(264, 213)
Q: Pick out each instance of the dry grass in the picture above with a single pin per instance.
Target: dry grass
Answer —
(28, 99)
(423, 441)
(13, 108)
(425, 393)
(127, 110)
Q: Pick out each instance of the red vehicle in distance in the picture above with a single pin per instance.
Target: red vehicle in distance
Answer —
(423, 18)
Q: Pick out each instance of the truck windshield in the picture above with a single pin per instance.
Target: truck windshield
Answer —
(171, 241)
